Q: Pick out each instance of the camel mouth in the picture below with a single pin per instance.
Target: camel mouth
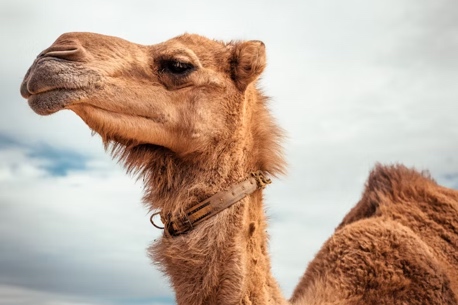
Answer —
(53, 100)
(52, 84)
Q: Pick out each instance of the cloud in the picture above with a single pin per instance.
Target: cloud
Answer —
(430, 37)
(59, 162)
(12, 295)
(53, 160)
(67, 234)
(353, 83)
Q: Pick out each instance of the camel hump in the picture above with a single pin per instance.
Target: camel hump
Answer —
(389, 184)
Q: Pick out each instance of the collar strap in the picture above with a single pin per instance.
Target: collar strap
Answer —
(200, 212)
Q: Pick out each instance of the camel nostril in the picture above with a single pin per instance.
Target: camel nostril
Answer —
(61, 54)
(67, 52)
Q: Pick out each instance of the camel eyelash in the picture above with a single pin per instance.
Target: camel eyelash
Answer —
(175, 67)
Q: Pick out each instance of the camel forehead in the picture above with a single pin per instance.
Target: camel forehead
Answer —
(210, 53)
(194, 41)
(95, 41)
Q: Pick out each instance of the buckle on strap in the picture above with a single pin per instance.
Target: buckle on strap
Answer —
(261, 180)
(173, 227)
(179, 226)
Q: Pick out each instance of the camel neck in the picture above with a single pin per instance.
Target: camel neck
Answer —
(222, 261)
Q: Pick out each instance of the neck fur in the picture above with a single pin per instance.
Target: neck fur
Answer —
(223, 260)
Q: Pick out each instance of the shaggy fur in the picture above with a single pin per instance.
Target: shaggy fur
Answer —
(186, 116)
(398, 245)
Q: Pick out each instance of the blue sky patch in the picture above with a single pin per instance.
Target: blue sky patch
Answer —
(451, 180)
(58, 161)
(6, 141)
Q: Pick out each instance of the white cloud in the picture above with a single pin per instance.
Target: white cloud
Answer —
(13, 295)
(81, 234)
(15, 166)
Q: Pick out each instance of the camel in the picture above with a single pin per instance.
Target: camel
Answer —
(187, 117)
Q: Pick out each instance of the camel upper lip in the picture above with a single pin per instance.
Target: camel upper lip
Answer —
(24, 91)
(47, 100)
(43, 76)
(27, 94)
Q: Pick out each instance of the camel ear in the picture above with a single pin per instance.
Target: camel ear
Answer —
(248, 62)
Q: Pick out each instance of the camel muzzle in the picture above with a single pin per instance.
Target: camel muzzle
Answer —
(57, 77)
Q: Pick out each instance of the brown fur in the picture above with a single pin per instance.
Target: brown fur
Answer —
(186, 116)
(398, 245)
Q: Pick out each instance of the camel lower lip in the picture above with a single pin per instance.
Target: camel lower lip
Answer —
(49, 102)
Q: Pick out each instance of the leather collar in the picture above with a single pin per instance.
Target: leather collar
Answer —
(197, 213)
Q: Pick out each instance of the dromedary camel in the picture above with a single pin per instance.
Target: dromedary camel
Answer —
(187, 117)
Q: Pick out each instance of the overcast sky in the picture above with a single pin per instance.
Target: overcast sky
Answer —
(352, 82)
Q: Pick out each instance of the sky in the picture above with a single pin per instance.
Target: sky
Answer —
(352, 82)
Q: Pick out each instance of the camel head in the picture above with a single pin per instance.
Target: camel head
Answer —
(185, 94)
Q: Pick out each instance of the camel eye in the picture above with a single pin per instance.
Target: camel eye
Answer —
(176, 67)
